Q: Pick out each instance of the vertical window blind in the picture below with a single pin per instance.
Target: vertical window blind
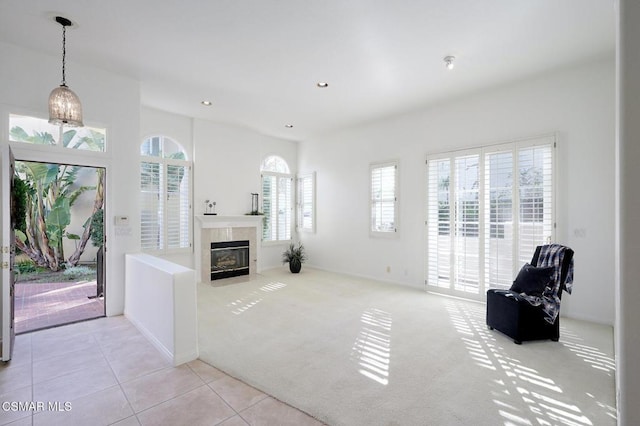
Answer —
(178, 206)
(151, 206)
(165, 196)
(384, 198)
(487, 210)
(466, 224)
(439, 221)
(276, 202)
(306, 198)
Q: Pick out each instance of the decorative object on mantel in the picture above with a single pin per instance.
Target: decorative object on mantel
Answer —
(254, 206)
(295, 257)
(254, 203)
(210, 207)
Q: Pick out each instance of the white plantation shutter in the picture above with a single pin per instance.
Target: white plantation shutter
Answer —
(498, 218)
(439, 223)
(535, 186)
(503, 207)
(384, 201)
(277, 199)
(277, 207)
(466, 224)
(284, 208)
(165, 196)
(151, 206)
(269, 207)
(306, 197)
(178, 206)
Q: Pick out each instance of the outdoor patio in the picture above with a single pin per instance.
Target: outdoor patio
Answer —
(42, 305)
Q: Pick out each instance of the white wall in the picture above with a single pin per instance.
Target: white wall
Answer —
(627, 337)
(108, 100)
(154, 122)
(227, 171)
(578, 103)
(226, 166)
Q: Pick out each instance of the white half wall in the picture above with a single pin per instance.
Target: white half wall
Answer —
(576, 102)
(161, 302)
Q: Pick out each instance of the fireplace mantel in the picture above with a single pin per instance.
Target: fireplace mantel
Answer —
(215, 228)
(219, 221)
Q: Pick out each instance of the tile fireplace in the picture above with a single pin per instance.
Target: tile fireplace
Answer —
(228, 230)
(229, 259)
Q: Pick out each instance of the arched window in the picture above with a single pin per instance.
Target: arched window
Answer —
(277, 201)
(274, 164)
(165, 195)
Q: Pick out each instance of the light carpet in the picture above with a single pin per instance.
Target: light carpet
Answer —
(352, 351)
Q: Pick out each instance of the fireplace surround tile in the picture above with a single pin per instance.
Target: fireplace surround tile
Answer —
(213, 229)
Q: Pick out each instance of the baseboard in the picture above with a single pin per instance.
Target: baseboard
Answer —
(367, 277)
(586, 318)
(152, 339)
(183, 358)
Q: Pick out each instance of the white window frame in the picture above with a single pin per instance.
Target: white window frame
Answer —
(518, 256)
(164, 164)
(290, 196)
(306, 201)
(391, 232)
(57, 133)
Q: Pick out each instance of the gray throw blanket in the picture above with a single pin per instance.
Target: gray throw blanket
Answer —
(552, 255)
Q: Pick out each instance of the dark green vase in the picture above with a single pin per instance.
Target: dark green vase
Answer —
(294, 266)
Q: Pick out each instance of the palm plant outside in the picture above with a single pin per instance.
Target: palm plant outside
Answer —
(50, 191)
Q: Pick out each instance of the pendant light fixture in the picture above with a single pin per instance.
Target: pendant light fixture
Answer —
(64, 105)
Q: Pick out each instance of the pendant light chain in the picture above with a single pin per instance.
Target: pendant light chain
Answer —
(64, 53)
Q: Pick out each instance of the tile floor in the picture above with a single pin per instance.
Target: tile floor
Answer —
(42, 305)
(104, 372)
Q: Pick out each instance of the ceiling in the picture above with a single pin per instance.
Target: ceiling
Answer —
(258, 61)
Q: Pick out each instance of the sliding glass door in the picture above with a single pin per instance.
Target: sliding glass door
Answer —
(487, 210)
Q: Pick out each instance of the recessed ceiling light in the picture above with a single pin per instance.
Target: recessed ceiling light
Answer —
(206, 103)
(322, 84)
(448, 62)
(289, 126)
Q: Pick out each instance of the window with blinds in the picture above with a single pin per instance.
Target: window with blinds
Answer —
(466, 224)
(165, 196)
(487, 210)
(384, 199)
(277, 203)
(306, 202)
(439, 219)
(151, 206)
(178, 206)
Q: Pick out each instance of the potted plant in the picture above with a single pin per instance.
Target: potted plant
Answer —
(295, 257)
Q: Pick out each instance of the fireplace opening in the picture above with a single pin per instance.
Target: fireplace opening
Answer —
(229, 259)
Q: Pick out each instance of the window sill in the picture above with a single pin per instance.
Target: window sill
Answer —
(276, 243)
